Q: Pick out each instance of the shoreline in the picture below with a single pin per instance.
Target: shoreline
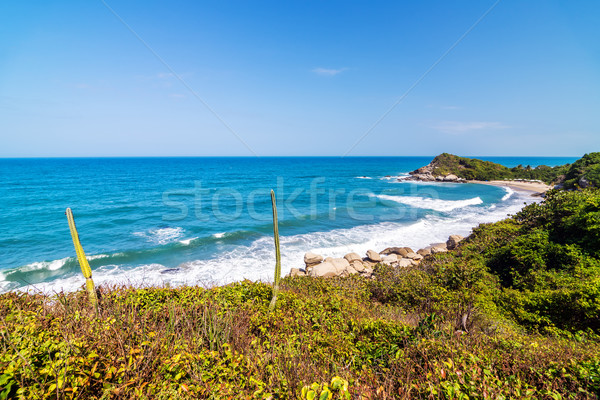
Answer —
(533, 188)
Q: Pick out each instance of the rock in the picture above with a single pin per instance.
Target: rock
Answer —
(368, 263)
(411, 255)
(391, 259)
(405, 262)
(328, 258)
(368, 271)
(390, 250)
(325, 269)
(373, 256)
(417, 257)
(297, 272)
(351, 271)
(451, 178)
(401, 251)
(341, 264)
(424, 252)
(352, 257)
(311, 259)
(438, 248)
(170, 271)
(358, 265)
(453, 241)
(583, 182)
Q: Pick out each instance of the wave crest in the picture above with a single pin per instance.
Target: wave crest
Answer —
(430, 203)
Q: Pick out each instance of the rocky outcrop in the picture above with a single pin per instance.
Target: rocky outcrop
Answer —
(352, 257)
(354, 264)
(311, 259)
(373, 256)
(453, 241)
(438, 248)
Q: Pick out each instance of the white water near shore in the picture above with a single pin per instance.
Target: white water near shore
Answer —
(255, 261)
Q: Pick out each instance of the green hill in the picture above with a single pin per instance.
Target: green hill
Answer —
(584, 172)
(475, 169)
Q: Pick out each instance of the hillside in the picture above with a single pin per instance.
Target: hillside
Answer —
(584, 172)
(513, 312)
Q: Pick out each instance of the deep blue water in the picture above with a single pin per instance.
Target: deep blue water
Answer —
(210, 218)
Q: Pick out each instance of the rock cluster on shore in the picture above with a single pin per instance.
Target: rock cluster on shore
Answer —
(353, 263)
(425, 174)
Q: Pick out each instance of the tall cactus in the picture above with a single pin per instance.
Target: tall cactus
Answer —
(277, 253)
(83, 263)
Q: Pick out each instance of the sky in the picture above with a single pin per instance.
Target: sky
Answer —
(299, 78)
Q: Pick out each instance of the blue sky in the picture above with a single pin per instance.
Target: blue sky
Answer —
(298, 78)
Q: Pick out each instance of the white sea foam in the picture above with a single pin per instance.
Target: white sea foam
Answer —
(219, 235)
(255, 261)
(162, 235)
(363, 177)
(430, 203)
(509, 193)
(48, 265)
(186, 242)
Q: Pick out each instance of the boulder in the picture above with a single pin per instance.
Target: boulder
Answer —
(453, 241)
(325, 269)
(411, 255)
(401, 251)
(405, 262)
(373, 256)
(352, 257)
(390, 259)
(424, 252)
(341, 264)
(311, 259)
(417, 257)
(368, 263)
(451, 178)
(351, 271)
(438, 248)
(297, 272)
(358, 265)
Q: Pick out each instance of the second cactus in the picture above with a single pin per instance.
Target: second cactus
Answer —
(277, 253)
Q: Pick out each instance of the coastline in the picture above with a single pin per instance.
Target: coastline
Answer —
(533, 188)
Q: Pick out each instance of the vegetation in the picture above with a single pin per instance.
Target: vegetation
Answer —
(587, 167)
(513, 312)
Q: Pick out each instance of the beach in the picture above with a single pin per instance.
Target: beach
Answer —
(533, 188)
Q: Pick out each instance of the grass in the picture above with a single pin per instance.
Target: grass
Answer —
(192, 342)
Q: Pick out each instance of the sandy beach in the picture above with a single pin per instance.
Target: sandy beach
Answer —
(535, 188)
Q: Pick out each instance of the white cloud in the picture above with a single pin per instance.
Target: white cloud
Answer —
(457, 127)
(327, 71)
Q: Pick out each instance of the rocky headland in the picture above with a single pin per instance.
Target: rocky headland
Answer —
(352, 263)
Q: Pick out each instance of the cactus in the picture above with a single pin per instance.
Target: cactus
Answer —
(83, 263)
(277, 253)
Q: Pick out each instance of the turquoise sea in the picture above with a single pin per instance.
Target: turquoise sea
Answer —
(208, 220)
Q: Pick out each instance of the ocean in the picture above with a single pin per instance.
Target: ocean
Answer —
(206, 221)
